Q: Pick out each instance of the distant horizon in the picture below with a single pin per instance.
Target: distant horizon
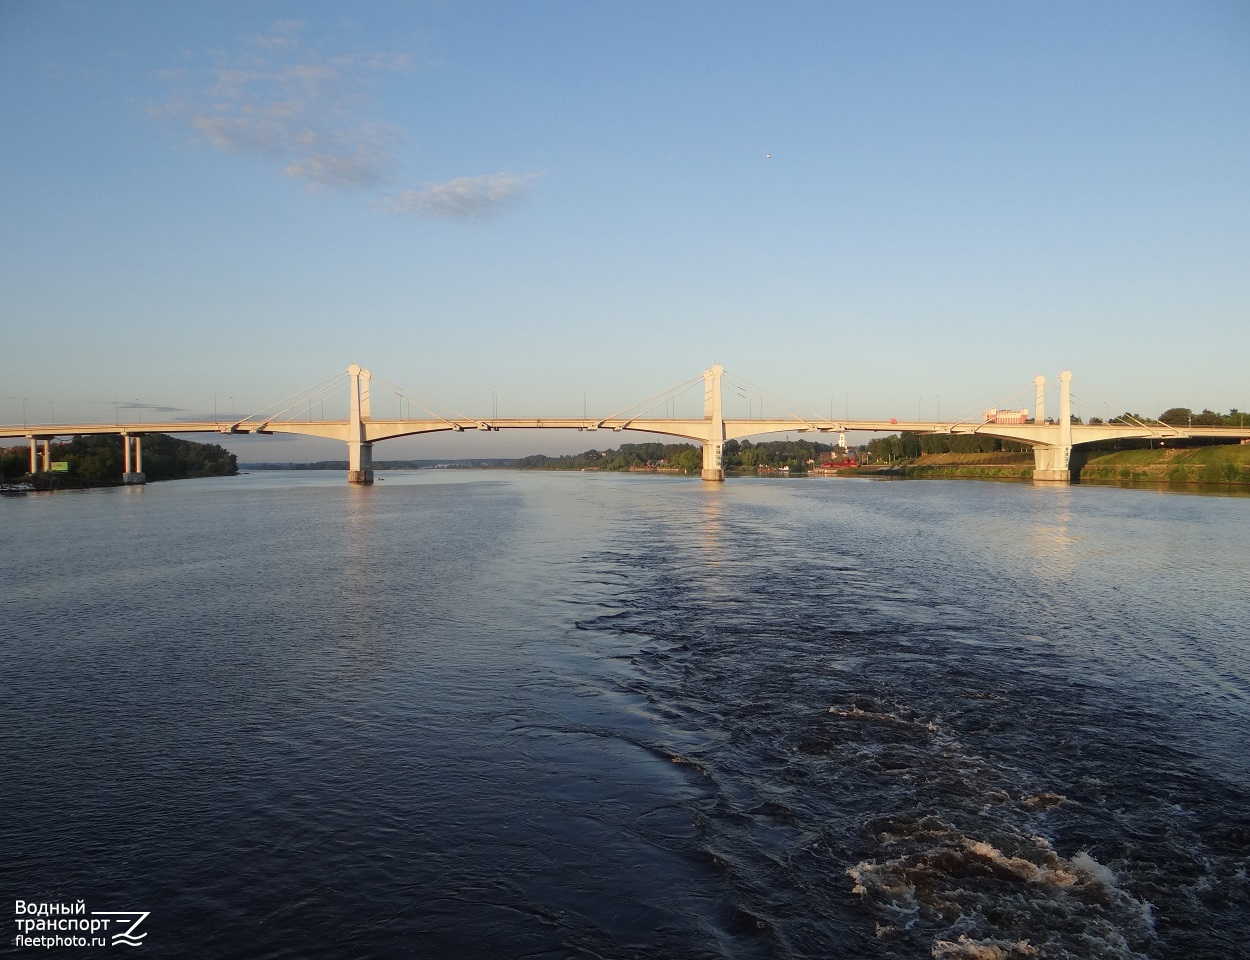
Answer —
(531, 209)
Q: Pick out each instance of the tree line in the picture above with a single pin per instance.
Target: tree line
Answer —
(98, 460)
(1184, 417)
(909, 446)
(682, 457)
(688, 457)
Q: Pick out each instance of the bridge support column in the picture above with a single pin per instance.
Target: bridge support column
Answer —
(132, 471)
(360, 462)
(34, 455)
(1051, 462)
(713, 463)
(359, 449)
(713, 447)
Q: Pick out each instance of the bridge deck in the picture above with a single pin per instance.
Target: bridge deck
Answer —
(696, 429)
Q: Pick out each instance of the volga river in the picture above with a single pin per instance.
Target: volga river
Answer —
(605, 716)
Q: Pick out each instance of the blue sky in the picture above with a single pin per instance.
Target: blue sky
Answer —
(539, 202)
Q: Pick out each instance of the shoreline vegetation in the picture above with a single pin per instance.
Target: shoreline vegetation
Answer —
(1225, 465)
(98, 461)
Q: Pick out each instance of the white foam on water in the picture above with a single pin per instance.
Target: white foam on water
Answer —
(1093, 869)
(967, 949)
(1043, 801)
(856, 713)
(981, 903)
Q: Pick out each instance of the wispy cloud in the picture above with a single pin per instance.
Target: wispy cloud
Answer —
(316, 116)
(150, 407)
(313, 114)
(465, 198)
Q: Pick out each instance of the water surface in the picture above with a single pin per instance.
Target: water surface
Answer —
(592, 715)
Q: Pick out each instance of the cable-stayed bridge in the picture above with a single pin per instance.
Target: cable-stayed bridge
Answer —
(1052, 440)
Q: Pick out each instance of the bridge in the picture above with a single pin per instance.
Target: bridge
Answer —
(1051, 441)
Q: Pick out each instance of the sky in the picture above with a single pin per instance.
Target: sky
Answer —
(869, 209)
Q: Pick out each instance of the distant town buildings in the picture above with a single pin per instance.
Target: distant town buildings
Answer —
(1006, 416)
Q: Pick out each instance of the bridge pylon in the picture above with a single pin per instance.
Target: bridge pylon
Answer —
(1051, 462)
(359, 450)
(714, 445)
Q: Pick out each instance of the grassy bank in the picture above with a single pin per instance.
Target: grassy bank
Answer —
(1223, 464)
(1228, 465)
(974, 466)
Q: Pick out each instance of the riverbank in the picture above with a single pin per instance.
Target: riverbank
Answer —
(964, 466)
(86, 462)
(1225, 465)
(1228, 464)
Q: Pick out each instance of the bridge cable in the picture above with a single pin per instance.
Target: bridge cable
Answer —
(404, 394)
(662, 397)
(1127, 418)
(799, 418)
(317, 390)
(1021, 393)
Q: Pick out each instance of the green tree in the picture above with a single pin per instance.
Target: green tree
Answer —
(1177, 416)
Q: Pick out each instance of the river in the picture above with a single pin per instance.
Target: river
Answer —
(498, 714)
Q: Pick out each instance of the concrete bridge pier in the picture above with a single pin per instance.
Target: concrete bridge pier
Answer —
(359, 450)
(359, 462)
(132, 471)
(713, 462)
(36, 459)
(1050, 464)
(1051, 461)
(714, 445)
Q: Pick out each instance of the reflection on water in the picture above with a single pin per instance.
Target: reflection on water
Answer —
(1201, 489)
(625, 715)
(1053, 538)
